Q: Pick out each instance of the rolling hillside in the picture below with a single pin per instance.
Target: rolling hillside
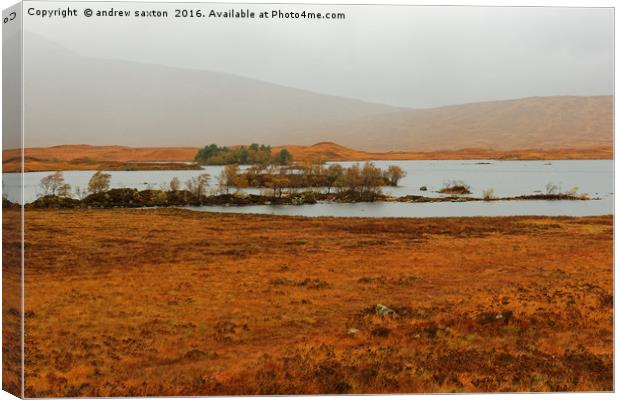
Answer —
(530, 123)
(120, 102)
(86, 157)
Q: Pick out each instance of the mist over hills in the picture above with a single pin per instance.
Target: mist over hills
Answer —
(535, 122)
(73, 99)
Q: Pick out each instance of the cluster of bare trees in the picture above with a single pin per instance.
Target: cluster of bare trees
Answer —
(55, 185)
(199, 185)
(366, 178)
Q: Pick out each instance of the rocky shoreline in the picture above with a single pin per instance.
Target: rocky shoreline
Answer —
(133, 198)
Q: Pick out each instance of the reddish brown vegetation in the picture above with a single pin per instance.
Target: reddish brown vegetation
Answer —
(11, 303)
(116, 157)
(32, 164)
(171, 302)
(334, 152)
(106, 153)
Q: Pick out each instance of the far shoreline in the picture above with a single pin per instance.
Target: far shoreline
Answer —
(122, 158)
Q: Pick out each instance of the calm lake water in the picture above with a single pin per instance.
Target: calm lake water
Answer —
(506, 178)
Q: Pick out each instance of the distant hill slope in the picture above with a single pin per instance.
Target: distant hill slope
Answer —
(71, 98)
(533, 123)
(105, 153)
(328, 151)
(85, 157)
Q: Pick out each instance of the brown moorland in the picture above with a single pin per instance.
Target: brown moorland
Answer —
(35, 165)
(175, 302)
(11, 303)
(106, 153)
(334, 152)
(86, 157)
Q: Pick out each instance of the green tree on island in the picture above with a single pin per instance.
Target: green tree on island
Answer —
(284, 157)
(254, 154)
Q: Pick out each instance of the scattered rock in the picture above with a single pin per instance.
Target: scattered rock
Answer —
(490, 317)
(383, 310)
(353, 331)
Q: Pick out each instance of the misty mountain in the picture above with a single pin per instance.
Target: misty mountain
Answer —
(74, 99)
(530, 123)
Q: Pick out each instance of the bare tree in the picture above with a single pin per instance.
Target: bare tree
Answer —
(488, 194)
(80, 193)
(333, 173)
(228, 177)
(175, 184)
(277, 184)
(552, 188)
(52, 184)
(372, 178)
(395, 173)
(64, 190)
(198, 185)
(99, 182)
(352, 178)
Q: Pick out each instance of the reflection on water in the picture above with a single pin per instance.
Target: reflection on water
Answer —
(506, 178)
(468, 209)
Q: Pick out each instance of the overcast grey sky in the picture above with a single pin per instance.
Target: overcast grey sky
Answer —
(409, 56)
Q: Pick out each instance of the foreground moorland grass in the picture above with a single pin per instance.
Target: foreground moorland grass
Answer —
(170, 302)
